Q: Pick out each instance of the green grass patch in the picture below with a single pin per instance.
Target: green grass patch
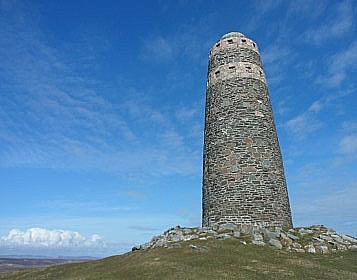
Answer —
(212, 259)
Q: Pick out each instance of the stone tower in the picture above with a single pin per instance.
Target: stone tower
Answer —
(243, 174)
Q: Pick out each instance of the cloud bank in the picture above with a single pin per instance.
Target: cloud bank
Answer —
(45, 238)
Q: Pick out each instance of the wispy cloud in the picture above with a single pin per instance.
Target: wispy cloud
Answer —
(348, 144)
(318, 209)
(302, 125)
(334, 27)
(54, 112)
(159, 49)
(308, 121)
(339, 65)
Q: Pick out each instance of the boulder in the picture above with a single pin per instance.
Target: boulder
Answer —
(349, 238)
(236, 233)
(223, 236)
(292, 236)
(257, 237)
(275, 243)
(256, 242)
(310, 249)
(228, 227)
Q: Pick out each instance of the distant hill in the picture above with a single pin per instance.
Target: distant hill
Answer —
(15, 263)
(205, 259)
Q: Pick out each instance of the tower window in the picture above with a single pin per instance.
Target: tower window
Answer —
(254, 45)
(217, 73)
(218, 44)
(244, 40)
(231, 67)
(230, 41)
(248, 68)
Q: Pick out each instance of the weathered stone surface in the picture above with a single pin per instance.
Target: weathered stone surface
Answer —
(322, 241)
(275, 243)
(228, 226)
(349, 238)
(244, 182)
(236, 233)
(223, 236)
(257, 237)
(292, 237)
(257, 242)
(310, 249)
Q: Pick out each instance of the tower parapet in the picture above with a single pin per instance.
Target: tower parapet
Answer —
(243, 180)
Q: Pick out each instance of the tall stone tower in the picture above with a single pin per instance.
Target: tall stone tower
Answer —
(243, 180)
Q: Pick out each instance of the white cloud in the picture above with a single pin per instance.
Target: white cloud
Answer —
(348, 144)
(333, 28)
(302, 125)
(184, 114)
(159, 49)
(339, 64)
(333, 208)
(45, 238)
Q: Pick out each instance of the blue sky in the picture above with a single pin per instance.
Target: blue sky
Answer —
(102, 109)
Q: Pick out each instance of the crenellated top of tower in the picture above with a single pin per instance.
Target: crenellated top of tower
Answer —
(234, 40)
(232, 34)
(232, 56)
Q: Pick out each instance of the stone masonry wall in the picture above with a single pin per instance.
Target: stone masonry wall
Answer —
(243, 180)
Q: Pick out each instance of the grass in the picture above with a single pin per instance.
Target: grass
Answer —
(226, 259)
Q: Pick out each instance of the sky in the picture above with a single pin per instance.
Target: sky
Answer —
(102, 115)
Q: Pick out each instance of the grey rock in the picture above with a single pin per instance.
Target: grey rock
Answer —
(323, 249)
(325, 237)
(190, 237)
(246, 229)
(236, 233)
(228, 226)
(259, 243)
(175, 237)
(292, 237)
(275, 243)
(223, 236)
(270, 234)
(136, 248)
(353, 248)
(349, 238)
(317, 239)
(310, 249)
(257, 237)
(298, 250)
(341, 247)
(304, 231)
(296, 245)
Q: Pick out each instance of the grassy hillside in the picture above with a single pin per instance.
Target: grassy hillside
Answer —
(206, 260)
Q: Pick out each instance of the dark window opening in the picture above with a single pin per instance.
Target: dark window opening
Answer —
(217, 45)
(254, 45)
(230, 41)
(217, 73)
(248, 68)
(244, 40)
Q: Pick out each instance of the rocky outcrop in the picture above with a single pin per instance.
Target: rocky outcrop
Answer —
(314, 239)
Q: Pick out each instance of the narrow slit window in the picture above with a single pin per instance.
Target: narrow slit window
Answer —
(248, 68)
(231, 67)
(217, 73)
(218, 44)
(230, 41)
(254, 45)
